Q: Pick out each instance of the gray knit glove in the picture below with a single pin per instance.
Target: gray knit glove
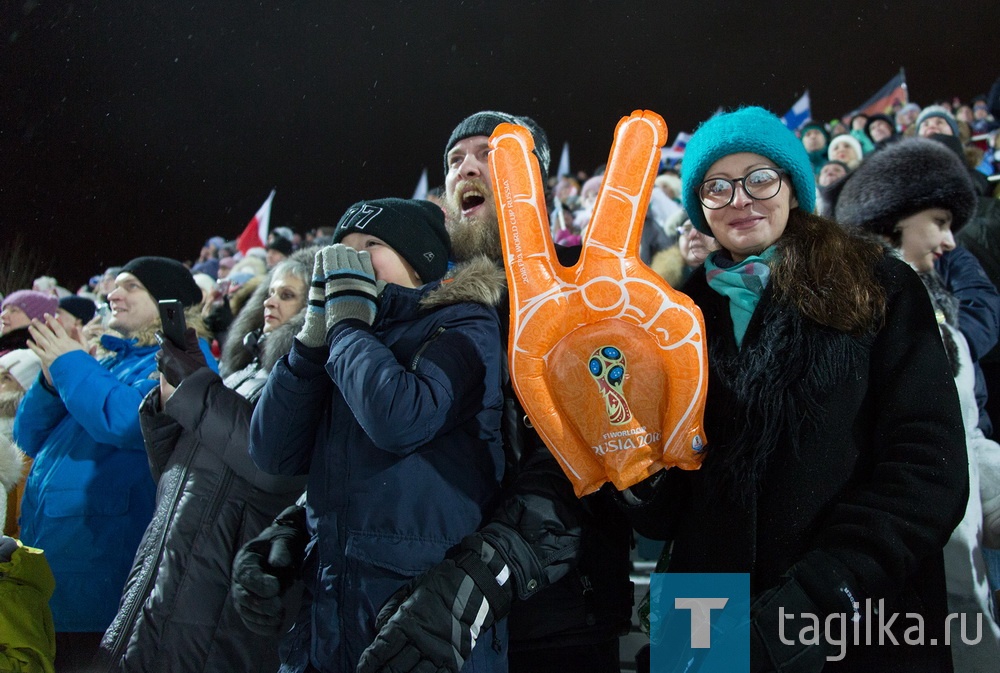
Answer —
(350, 287)
(313, 331)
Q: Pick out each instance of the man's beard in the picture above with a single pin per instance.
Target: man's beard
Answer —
(473, 235)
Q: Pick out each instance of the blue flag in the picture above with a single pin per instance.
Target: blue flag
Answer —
(800, 113)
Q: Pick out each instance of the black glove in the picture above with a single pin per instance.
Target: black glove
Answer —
(266, 567)
(176, 364)
(431, 623)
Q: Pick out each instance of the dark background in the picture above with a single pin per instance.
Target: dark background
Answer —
(146, 127)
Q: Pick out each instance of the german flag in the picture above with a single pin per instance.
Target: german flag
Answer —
(884, 99)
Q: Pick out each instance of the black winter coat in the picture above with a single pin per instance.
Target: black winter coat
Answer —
(860, 457)
(569, 556)
(175, 613)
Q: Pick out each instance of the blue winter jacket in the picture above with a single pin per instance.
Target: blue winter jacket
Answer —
(978, 317)
(398, 427)
(89, 494)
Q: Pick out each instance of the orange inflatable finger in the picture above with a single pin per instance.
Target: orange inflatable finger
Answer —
(608, 360)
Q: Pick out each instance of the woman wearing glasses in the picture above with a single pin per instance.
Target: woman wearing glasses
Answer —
(835, 466)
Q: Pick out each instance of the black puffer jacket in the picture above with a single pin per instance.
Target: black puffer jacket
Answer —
(13, 340)
(175, 613)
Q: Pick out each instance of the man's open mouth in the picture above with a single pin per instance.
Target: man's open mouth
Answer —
(472, 198)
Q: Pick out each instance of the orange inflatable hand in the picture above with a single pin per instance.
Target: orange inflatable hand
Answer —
(608, 360)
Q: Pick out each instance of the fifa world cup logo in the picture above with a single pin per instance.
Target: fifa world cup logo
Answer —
(607, 366)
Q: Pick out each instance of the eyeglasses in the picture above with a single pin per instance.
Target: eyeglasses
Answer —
(760, 184)
(685, 229)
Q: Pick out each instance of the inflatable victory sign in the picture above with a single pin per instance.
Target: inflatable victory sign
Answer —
(608, 360)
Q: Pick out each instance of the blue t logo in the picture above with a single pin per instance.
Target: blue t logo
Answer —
(700, 622)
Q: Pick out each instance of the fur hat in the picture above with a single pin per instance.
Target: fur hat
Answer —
(165, 278)
(413, 228)
(483, 124)
(938, 111)
(23, 365)
(749, 129)
(34, 304)
(902, 179)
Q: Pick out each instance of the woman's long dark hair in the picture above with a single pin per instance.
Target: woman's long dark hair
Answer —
(828, 274)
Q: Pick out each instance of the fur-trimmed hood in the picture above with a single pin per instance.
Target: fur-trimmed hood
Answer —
(669, 265)
(477, 280)
(250, 321)
(12, 465)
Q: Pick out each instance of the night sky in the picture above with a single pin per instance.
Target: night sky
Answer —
(146, 127)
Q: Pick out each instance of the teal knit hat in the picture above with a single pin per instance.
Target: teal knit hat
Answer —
(749, 129)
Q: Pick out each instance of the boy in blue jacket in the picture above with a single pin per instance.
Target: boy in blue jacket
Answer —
(390, 400)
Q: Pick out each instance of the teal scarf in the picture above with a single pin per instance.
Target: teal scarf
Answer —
(741, 283)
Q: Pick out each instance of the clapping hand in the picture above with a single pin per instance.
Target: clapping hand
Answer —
(49, 340)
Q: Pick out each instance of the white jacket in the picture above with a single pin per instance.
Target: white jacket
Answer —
(11, 467)
(965, 568)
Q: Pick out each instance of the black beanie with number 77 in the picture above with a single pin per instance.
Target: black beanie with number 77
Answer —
(413, 228)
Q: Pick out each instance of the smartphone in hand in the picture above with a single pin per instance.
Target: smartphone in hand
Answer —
(172, 321)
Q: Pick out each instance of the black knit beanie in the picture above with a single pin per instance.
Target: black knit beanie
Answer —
(281, 244)
(879, 117)
(902, 179)
(413, 228)
(165, 278)
(483, 124)
(79, 307)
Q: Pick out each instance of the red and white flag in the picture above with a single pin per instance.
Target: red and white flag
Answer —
(255, 233)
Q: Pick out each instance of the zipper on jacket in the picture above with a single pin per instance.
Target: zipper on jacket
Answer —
(219, 494)
(124, 635)
(420, 351)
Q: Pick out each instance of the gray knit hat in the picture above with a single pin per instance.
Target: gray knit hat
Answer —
(902, 179)
(483, 124)
(938, 111)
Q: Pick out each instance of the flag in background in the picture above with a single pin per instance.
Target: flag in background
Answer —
(675, 151)
(255, 233)
(421, 191)
(881, 103)
(564, 161)
(800, 113)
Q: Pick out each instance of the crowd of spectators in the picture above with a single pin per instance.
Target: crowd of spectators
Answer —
(74, 366)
